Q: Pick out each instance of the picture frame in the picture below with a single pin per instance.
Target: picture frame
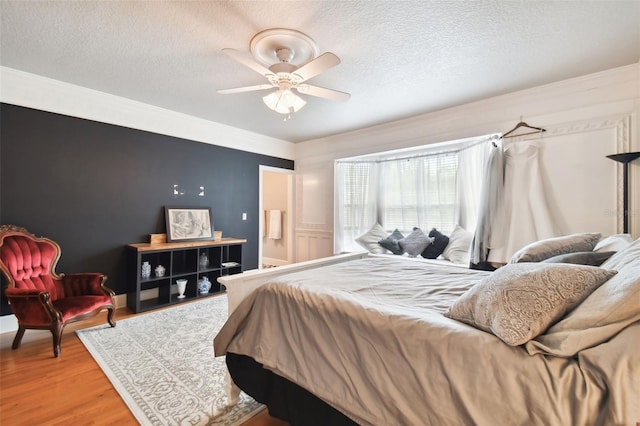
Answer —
(188, 223)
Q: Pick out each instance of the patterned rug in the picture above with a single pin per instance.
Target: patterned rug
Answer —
(162, 365)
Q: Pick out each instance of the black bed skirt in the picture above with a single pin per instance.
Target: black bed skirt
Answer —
(285, 400)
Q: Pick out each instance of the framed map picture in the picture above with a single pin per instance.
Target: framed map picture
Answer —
(188, 223)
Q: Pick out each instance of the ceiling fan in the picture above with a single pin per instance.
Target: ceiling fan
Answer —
(294, 60)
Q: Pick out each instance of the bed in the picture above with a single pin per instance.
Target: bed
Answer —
(372, 340)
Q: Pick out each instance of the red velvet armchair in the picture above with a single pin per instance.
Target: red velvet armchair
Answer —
(39, 297)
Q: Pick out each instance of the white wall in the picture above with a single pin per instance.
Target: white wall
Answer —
(585, 117)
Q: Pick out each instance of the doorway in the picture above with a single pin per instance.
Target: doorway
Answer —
(276, 242)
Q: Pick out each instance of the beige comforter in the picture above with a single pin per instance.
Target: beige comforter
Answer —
(369, 338)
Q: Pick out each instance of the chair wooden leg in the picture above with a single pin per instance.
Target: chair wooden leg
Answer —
(18, 339)
(56, 330)
(110, 313)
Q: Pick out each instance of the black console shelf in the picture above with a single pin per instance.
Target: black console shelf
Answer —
(181, 261)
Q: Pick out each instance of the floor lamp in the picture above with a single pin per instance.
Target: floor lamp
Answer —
(625, 159)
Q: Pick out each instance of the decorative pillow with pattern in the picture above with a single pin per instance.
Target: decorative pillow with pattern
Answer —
(520, 301)
(544, 249)
(391, 242)
(415, 243)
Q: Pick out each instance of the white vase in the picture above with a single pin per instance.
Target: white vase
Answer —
(182, 286)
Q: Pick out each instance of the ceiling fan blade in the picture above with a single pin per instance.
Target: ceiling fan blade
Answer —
(245, 89)
(248, 62)
(318, 65)
(321, 92)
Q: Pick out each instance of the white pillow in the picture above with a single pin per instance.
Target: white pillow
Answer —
(459, 247)
(369, 240)
(625, 257)
(615, 242)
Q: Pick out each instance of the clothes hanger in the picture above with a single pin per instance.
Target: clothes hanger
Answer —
(523, 124)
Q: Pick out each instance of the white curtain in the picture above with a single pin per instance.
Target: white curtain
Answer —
(356, 201)
(487, 234)
(471, 172)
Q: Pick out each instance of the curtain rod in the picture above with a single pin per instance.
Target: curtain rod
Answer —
(493, 137)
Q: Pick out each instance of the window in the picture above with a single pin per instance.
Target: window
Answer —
(420, 188)
(419, 192)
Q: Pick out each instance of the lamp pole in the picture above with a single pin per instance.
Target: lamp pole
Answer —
(625, 158)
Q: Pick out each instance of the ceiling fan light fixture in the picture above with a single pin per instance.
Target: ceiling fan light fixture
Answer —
(287, 59)
(284, 101)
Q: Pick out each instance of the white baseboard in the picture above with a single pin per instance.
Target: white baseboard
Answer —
(9, 323)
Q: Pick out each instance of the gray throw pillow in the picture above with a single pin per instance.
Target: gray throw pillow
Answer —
(591, 258)
(391, 242)
(415, 243)
(544, 249)
(520, 301)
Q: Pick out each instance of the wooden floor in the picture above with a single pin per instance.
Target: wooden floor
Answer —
(38, 389)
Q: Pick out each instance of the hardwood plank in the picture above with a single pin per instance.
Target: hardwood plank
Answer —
(264, 419)
(36, 388)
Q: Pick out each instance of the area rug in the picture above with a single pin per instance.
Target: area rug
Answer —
(162, 365)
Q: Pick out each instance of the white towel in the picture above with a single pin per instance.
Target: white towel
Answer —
(275, 224)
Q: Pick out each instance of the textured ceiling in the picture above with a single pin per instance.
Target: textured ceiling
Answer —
(399, 58)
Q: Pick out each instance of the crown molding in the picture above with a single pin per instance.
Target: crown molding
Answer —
(46, 94)
(585, 96)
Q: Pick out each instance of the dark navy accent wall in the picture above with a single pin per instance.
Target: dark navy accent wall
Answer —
(95, 187)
